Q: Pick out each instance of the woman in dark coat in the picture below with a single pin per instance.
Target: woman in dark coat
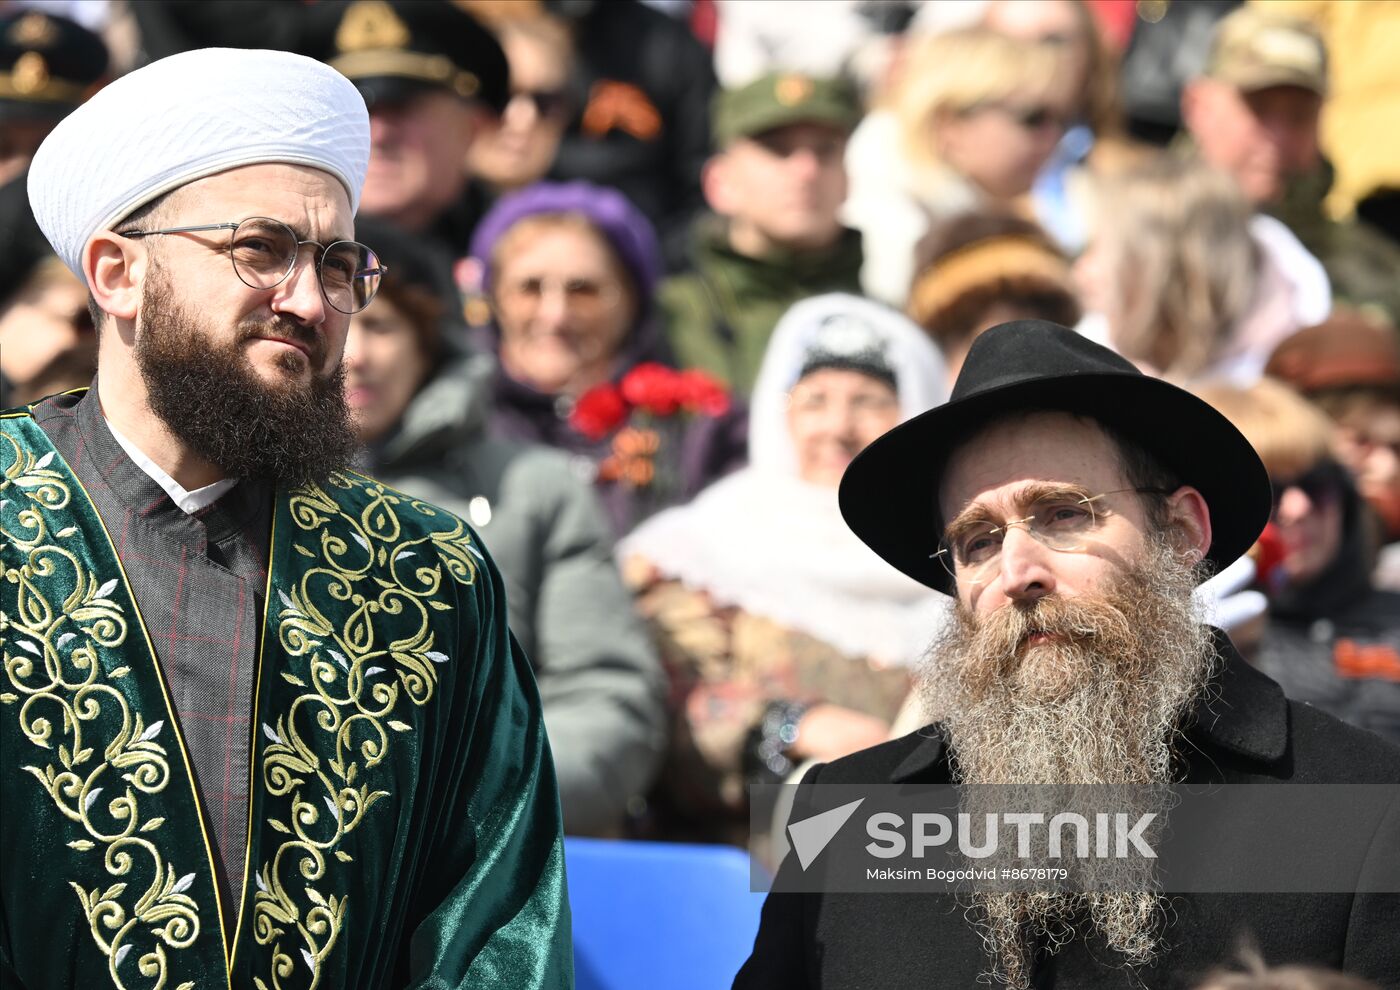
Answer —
(568, 273)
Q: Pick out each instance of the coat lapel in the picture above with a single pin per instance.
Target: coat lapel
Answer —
(1242, 710)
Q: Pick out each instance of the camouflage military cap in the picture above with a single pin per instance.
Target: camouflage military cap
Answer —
(1254, 49)
(782, 98)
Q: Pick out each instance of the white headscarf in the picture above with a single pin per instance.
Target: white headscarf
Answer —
(919, 370)
(776, 546)
(183, 118)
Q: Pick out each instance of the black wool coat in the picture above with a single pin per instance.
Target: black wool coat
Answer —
(1245, 731)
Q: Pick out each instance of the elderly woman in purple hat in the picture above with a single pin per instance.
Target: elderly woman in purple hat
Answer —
(569, 271)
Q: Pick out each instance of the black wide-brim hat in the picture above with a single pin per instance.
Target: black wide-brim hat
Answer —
(889, 494)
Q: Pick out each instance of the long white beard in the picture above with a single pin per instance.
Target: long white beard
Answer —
(1100, 704)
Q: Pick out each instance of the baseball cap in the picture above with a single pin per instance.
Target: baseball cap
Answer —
(782, 98)
(1254, 49)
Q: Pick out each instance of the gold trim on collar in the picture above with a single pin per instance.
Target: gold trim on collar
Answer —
(408, 65)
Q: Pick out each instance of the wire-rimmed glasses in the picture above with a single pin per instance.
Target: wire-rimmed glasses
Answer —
(264, 252)
(1065, 522)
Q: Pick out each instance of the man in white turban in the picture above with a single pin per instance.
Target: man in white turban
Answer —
(262, 723)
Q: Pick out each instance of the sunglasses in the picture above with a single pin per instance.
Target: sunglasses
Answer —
(1030, 118)
(547, 103)
(1036, 118)
(1321, 484)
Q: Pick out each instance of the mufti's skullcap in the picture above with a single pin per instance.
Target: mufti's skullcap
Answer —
(186, 117)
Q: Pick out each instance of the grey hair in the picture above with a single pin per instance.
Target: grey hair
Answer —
(1184, 264)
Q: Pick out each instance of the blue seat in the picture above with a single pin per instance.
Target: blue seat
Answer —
(659, 914)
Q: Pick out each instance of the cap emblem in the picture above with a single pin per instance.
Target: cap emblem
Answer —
(33, 31)
(30, 74)
(371, 24)
(792, 90)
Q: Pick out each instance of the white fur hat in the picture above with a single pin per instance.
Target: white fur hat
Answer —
(186, 117)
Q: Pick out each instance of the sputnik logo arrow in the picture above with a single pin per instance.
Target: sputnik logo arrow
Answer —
(810, 836)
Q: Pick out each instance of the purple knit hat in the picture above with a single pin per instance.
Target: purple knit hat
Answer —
(627, 229)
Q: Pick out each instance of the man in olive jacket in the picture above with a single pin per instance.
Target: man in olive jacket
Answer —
(775, 186)
(1070, 503)
(1255, 113)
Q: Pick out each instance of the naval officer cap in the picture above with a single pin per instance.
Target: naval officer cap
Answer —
(186, 117)
(48, 65)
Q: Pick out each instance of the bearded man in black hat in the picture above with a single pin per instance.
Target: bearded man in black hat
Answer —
(1070, 506)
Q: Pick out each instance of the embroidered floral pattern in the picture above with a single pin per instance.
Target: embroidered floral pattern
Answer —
(358, 687)
(59, 641)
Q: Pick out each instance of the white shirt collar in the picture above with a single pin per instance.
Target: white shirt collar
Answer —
(189, 502)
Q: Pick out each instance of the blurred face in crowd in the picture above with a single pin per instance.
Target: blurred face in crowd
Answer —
(1053, 22)
(782, 188)
(47, 342)
(19, 139)
(1368, 440)
(833, 414)
(1261, 138)
(1308, 512)
(384, 365)
(1001, 146)
(418, 155)
(522, 149)
(251, 373)
(564, 305)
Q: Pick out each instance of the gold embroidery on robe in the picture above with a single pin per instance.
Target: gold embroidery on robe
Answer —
(320, 755)
(54, 674)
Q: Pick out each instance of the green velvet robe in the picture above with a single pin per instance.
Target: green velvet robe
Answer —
(404, 825)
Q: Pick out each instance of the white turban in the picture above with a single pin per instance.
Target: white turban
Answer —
(186, 117)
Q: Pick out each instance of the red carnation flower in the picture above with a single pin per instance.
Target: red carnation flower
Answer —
(1268, 553)
(702, 393)
(599, 411)
(654, 388)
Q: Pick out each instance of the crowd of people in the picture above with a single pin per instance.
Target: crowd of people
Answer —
(654, 274)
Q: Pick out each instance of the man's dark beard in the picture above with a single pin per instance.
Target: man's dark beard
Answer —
(208, 395)
(1101, 703)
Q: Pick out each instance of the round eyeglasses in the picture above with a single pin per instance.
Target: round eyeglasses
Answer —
(264, 252)
(971, 552)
